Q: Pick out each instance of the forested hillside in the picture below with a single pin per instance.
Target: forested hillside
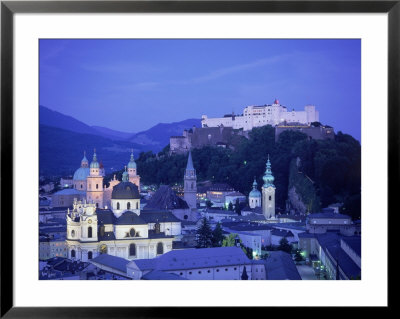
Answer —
(331, 167)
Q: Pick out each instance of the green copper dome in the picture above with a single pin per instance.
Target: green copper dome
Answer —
(94, 163)
(268, 177)
(132, 163)
(255, 192)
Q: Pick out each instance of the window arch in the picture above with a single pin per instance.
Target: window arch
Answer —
(118, 205)
(73, 253)
(72, 233)
(160, 249)
(90, 232)
(128, 205)
(132, 232)
(97, 186)
(90, 255)
(132, 250)
(137, 205)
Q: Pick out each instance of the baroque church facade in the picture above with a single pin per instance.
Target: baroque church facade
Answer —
(110, 221)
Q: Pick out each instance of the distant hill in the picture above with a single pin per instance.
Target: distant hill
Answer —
(158, 136)
(64, 138)
(61, 151)
(56, 119)
(112, 134)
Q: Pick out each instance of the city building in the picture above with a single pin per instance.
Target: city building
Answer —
(220, 263)
(255, 116)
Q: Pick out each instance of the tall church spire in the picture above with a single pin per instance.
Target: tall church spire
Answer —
(189, 162)
(190, 183)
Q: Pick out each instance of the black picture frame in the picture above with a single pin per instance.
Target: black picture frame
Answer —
(9, 8)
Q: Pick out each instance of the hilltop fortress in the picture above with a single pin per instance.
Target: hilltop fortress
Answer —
(222, 131)
(255, 116)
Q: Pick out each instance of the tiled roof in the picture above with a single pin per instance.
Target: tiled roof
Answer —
(153, 216)
(165, 198)
(195, 258)
(354, 242)
(105, 216)
(114, 262)
(328, 216)
(280, 266)
(161, 275)
(282, 233)
(130, 218)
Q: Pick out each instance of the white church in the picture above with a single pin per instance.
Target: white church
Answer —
(110, 221)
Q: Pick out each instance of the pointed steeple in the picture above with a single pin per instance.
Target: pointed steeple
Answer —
(189, 162)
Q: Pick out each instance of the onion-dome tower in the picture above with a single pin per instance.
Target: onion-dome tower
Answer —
(268, 192)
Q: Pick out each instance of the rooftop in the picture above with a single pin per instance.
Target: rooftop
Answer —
(113, 262)
(280, 266)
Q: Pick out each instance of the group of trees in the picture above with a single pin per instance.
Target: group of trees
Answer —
(332, 166)
(206, 237)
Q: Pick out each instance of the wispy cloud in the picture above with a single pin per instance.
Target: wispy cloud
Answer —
(233, 69)
(123, 67)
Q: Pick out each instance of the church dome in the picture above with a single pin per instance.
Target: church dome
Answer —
(125, 190)
(255, 193)
(81, 173)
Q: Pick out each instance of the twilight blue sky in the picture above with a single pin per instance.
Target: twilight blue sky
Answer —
(131, 85)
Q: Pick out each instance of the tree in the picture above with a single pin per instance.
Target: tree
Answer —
(244, 274)
(204, 234)
(217, 236)
(298, 256)
(237, 207)
(230, 240)
(284, 245)
(230, 206)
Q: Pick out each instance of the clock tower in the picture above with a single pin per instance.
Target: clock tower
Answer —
(268, 193)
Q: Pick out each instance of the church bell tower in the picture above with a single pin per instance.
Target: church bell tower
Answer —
(268, 193)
